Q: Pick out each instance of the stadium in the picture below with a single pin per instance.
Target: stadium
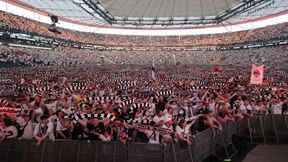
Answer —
(143, 80)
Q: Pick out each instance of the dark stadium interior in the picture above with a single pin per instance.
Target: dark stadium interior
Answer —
(143, 80)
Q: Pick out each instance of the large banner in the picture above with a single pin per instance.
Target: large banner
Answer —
(257, 74)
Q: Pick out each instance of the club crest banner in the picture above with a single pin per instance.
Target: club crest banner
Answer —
(257, 74)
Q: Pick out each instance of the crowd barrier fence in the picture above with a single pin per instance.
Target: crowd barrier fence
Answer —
(265, 128)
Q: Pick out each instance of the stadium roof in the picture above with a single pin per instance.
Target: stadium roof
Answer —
(167, 8)
(158, 12)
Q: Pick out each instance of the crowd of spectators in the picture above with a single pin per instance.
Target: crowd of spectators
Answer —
(262, 34)
(126, 104)
(275, 57)
(111, 95)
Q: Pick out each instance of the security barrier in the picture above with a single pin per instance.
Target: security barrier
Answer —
(261, 128)
(265, 128)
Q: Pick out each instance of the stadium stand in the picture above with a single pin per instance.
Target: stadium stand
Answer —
(79, 96)
(278, 31)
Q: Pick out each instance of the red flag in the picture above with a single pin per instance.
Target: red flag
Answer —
(257, 74)
(216, 68)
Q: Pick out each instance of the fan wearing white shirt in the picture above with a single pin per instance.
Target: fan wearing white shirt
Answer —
(38, 112)
(276, 107)
(159, 118)
(168, 138)
(153, 136)
(26, 128)
(9, 131)
(246, 108)
(168, 112)
(183, 131)
(67, 110)
(52, 105)
(138, 115)
(63, 128)
(52, 116)
(260, 108)
(43, 130)
(211, 105)
(106, 137)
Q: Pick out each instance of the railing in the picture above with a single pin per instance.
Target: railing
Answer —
(269, 128)
(265, 128)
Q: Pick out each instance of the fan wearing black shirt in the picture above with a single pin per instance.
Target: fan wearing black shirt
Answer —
(161, 103)
(125, 114)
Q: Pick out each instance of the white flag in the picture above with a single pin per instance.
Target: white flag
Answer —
(257, 74)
